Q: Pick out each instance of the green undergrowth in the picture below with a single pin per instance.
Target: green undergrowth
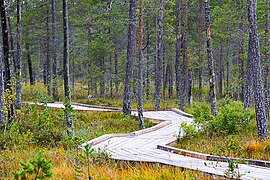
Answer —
(229, 134)
(37, 140)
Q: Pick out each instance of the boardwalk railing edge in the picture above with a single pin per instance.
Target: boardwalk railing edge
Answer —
(182, 113)
(212, 157)
(135, 133)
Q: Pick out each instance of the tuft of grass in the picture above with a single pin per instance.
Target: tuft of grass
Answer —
(253, 146)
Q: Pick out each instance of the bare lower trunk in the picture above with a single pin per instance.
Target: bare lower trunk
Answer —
(213, 98)
(2, 107)
(54, 55)
(159, 60)
(19, 58)
(130, 56)
(183, 96)
(70, 126)
(178, 47)
(30, 66)
(200, 32)
(7, 77)
(189, 88)
(254, 53)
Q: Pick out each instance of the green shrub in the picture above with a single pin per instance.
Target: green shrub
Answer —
(231, 118)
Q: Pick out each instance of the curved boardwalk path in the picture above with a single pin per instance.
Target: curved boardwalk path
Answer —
(142, 145)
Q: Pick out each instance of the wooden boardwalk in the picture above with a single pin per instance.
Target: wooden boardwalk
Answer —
(142, 146)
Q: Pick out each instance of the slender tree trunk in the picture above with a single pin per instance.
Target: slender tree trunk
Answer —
(266, 70)
(102, 82)
(111, 77)
(165, 79)
(189, 87)
(2, 106)
(248, 93)
(12, 53)
(54, 55)
(170, 90)
(70, 125)
(200, 33)
(7, 77)
(48, 58)
(220, 71)
(183, 97)
(140, 63)
(254, 53)
(178, 48)
(29, 62)
(159, 59)
(130, 56)
(213, 98)
(19, 58)
(241, 50)
(148, 61)
(116, 71)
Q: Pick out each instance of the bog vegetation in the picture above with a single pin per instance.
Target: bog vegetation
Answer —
(209, 58)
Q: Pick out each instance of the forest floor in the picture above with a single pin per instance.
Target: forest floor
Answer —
(22, 142)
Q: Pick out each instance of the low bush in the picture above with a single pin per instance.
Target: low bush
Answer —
(231, 118)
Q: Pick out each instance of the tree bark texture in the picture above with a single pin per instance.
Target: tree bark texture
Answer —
(178, 47)
(70, 126)
(213, 98)
(48, 58)
(54, 55)
(130, 56)
(183, 96)
(19, 58)
(159, 60)
(254, 53)
(7, 77)
(200, 33)
(2, 106)
(140, 64)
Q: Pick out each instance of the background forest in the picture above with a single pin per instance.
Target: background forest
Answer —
(195, 55)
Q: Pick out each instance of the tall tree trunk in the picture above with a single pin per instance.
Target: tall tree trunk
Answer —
(220, 71)
(19, 58)
(241, 50)
(148, 61)
(140, 62)
(2, 106)
(254, 53)
(54, 55)
(183, 97)
(111, 77)
(130, 55)
(178, 47)
(7, 77)
(29, 61)
(159, 60)
(70, 125)
(170, 90)
(248, 93)
(12, 53)
(48, 58)
(189, 87)
(200, 33)
(267, 57)
(213, 98)
(116, 71)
